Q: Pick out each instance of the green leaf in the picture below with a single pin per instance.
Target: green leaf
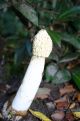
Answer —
(29, 13)
(61, 76)
(24, 51)
(11, 26)
(76, 23)
(76, 76)
(73, 40)
(51, 71)
(54, 3)
(69, 57)
(19, 55)
(54, 56)
(55, 36)
(69, 13)
(28, 46)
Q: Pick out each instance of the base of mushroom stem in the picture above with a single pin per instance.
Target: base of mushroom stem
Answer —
(18, 113)
(8, 112)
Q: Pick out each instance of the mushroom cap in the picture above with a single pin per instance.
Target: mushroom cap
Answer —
(42, 44)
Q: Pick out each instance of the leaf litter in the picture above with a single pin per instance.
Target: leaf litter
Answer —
(45, 107)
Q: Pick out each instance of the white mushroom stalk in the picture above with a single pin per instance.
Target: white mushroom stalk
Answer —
(42, 47)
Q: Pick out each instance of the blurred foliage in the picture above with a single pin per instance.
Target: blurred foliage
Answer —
(21, 19)
(76, 76)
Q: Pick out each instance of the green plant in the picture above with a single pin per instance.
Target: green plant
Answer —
(61, 20)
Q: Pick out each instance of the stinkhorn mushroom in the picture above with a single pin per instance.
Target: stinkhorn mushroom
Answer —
(42, 47)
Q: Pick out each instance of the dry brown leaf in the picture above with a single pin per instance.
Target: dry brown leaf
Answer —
(67, 89)
(72, 105)
(62, 103)
(69, 117)
(68, 86)
(78, 97)
(43, 93)
(72, 64)
(62, 99)
(58, 115)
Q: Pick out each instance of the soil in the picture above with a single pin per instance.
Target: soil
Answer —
(37, 105)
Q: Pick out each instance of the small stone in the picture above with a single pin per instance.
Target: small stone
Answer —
(50, 105)
(58, 116)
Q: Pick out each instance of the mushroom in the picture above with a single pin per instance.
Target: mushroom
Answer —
(42, 47)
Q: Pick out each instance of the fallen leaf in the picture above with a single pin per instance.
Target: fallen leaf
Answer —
(58, 115)
(72, 64)
(67, 89)
(50, 105)
(62, 99)
(68, 86)
(76, 114)
(39, 115)
(72, 105)
(69, 117)
(0, 115)
(62, 103)
(78, 97)
(17, 118)
(43, 93)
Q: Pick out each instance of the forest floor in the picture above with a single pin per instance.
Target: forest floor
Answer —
(56, 102)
